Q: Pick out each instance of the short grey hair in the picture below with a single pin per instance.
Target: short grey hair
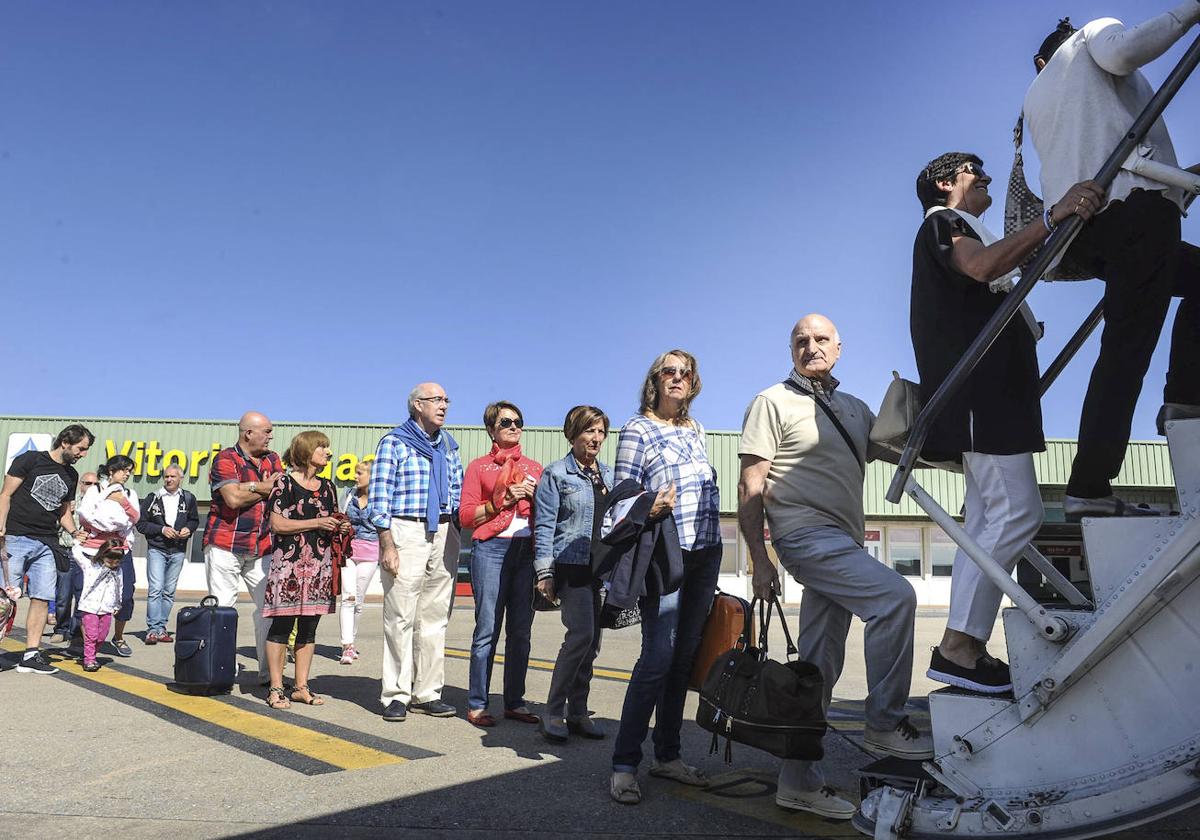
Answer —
(413, 396)
(172, 466)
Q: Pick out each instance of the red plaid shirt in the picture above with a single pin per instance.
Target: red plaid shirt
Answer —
(246, 530)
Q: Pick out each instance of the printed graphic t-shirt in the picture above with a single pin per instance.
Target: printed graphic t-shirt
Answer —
(45, 486)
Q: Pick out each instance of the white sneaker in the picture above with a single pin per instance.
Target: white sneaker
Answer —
(905, 741)
(824, 802)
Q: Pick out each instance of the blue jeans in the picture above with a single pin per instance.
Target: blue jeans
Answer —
(128, 579)
(70, 586)
(502, 582)
(162, 574)
(671, 629)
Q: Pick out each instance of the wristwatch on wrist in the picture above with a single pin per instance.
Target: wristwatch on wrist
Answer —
(253, 486)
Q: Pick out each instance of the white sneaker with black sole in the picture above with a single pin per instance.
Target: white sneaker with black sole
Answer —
(824, 802)
(985, 678)
(905, 741)
(35, 663)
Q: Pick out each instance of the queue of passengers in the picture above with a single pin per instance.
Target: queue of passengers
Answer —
(803, 449)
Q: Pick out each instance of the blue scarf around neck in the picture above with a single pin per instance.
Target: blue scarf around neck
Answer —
(439, 468)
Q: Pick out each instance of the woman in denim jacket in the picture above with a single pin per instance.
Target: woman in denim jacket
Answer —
(567, 518)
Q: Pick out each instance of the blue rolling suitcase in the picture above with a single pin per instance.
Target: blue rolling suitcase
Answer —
(206, 648)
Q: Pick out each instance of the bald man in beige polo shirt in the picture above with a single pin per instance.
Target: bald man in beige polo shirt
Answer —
(803, 447)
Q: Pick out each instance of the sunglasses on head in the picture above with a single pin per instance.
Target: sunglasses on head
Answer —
(505, 422)
(671, 372)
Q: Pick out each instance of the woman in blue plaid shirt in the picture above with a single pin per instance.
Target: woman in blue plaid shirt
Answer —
(663, 448)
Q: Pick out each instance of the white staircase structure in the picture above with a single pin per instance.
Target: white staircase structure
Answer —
(1102, 732)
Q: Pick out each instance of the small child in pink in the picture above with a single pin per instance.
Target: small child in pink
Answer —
(100, 597)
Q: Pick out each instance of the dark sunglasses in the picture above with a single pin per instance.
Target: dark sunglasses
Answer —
(89, 483)
(671, 372)
(973, 169)
(505, 422)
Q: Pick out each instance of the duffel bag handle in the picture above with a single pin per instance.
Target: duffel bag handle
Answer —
(209, 601)
(765, 622)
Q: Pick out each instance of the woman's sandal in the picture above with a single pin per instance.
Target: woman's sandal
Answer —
(276, 699)
(313, 698)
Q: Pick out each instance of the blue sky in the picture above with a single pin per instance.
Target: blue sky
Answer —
(305, 208)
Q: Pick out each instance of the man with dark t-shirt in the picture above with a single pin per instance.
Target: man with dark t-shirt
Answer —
(34, 503)
(993, 424)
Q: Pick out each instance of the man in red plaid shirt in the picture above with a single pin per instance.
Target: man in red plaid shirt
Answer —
(237, 538)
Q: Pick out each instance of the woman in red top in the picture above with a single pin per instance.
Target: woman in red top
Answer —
(497, 500)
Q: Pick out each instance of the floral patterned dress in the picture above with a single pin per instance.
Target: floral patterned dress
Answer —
(300, 579)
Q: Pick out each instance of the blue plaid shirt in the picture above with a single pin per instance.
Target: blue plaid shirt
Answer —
(400, 482)
(656, 455)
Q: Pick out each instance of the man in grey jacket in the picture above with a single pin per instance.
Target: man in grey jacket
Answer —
(1087, 94)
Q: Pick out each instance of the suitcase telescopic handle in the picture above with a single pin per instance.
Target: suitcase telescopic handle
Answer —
(209, 601)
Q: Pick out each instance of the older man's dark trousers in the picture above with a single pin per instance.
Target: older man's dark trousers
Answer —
(1134, 247)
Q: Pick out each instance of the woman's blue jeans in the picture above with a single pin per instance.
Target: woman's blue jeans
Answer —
(502, 582)
(671, 630)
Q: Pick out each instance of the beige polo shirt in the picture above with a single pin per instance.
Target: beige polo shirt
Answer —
(814, 478)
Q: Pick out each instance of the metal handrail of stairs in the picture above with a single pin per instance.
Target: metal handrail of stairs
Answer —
(1054, 628)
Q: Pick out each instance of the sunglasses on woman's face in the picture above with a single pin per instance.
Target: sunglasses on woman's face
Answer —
(670, 372)
(505, 422)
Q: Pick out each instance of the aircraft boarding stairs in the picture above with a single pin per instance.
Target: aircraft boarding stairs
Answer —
(1102, 729)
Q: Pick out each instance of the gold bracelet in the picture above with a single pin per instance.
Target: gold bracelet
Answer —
(489, 508)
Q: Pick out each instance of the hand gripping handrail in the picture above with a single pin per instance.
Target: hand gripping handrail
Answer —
(1053, 246)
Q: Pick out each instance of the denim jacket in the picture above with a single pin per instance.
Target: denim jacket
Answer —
(563, 511)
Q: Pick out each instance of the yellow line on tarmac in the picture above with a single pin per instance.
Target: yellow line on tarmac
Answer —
(546, 665)
(337, 752)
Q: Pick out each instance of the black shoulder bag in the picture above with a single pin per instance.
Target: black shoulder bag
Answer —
(773, 706)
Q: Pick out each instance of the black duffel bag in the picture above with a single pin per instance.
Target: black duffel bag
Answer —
(772, 706)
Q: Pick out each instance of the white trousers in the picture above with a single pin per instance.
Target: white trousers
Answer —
(225, 572)
(416, 609)
(1003, 513)
(356, 579)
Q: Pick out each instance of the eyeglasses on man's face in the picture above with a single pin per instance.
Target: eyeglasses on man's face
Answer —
(506, 422)
(439, 400)
(670, 372)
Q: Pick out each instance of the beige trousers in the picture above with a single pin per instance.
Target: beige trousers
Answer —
(225, 572)
(416, 610)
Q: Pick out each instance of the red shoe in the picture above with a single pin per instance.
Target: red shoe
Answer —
(166, 638)
(480, 717)
(522, 714)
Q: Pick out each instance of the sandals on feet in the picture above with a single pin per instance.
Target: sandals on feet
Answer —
(276, 699)
(311, 698)
(624, 788)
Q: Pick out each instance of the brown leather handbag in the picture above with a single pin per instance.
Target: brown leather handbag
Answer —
(728, 620)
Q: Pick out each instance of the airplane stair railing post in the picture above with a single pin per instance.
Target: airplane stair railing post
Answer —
(1055, 245)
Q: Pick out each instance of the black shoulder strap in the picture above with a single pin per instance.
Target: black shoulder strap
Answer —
(837, 424)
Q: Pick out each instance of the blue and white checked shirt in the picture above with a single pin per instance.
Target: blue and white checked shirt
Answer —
(658, 455)
(400, 482)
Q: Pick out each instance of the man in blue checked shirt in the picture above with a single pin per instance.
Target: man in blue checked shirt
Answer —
(416, 484)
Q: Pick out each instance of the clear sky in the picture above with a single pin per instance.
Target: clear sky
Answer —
(305, 208)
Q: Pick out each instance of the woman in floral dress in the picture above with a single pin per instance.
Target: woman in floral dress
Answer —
(300, 580)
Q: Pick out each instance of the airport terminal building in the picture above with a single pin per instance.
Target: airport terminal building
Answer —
(901, 536)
